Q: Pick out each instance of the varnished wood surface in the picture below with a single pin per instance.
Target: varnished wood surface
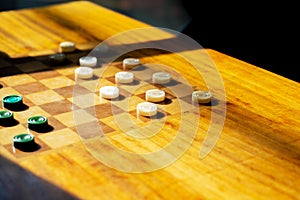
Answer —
(52, 25)
(256, 156)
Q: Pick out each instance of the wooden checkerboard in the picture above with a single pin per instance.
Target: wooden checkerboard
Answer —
(52, 91)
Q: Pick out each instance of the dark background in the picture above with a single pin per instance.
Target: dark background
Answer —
(265, 35)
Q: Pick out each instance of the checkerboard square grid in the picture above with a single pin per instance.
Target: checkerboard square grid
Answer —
(57, 100)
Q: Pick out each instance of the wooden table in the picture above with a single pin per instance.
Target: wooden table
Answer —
(256, 154)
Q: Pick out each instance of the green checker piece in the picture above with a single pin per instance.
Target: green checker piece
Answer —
(7, 118)
(12, 101)
(24, 140)
(6, 115)
(37, 122)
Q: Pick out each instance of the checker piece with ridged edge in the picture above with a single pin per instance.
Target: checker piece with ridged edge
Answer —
(88, 61)
(124, 77)
(129, 63)
(161, 77)
(23, 141)
(84, 72)
(67, 47)
(12, 101)
(201, 96)
(147, 109)
(6, 117)
(37, 122)
(155, 95)
(109, 92)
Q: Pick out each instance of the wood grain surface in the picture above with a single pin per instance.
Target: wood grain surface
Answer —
(54, 24)
(256, 156)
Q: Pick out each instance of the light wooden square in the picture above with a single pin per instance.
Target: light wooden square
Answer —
(17, 79)
(44, 97)
(57, 82)
(60, 138)
(87, 100)
(177, 106)
(8, 91)
(106, 72)
(74, 118)
(67, 71)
